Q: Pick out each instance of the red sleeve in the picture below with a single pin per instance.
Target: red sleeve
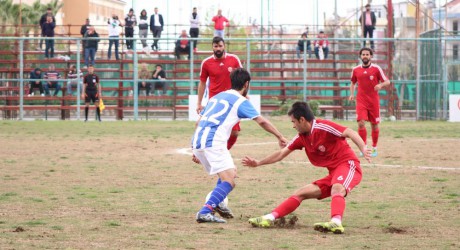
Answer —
(214, 18)
(353, 76)
(380, 75)
(204, 73)
(295, 143)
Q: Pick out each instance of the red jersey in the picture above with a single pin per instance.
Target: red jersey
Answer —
(218, 70)
(219, 22)
(367, 78)
(324, 146)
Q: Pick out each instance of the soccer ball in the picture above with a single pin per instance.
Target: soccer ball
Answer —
(224, 203)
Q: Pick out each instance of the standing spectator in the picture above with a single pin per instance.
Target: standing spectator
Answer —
(156, 26)
(194, 27)
(323, 44)
(48, 31)
(209, 148)
(182, 46)
(144, 74)
(91, 92)
(219, 24)
(73, 79)
(35, 82)
(130, 22)
(370, 79)
(42, 21)
(160, 87)
(326, 146)
(367, 21)
(143, 28)
(51, 75)
(114, 33)
(84, 29)
(217, 68)
(90, 45)
(300, 45)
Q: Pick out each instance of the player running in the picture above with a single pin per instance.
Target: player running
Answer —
(370, 79)
(325, 146)
(209, 141)
(217, 68)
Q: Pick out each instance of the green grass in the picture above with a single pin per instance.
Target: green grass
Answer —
(122, 185)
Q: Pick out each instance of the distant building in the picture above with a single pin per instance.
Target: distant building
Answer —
(74, 13)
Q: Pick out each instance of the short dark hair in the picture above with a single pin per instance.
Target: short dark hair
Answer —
(49, 8)
(367, 5)
(239, 77)
(301, 109)
(159, 65)
(368, 49)
(217, 39)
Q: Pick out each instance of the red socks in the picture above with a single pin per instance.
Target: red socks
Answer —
(288, 206)
(363, 134)
(375, 137)
(337, 205)
(231, 141)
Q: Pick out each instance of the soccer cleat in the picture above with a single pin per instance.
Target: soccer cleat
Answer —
(329, 227)
(209, 217)
(374, 152)
(224, 211)
(260, 222)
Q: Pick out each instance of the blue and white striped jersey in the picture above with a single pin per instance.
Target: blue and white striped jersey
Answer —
(222, 112)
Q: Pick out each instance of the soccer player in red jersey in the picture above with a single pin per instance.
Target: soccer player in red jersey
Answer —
(370, 79)
(326, 146)
(217, 68)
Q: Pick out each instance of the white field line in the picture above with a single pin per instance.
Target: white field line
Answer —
(188, 151)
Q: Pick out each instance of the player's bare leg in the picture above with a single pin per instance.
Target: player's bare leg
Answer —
(232, 139)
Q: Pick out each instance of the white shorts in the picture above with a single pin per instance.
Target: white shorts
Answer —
(214, 160)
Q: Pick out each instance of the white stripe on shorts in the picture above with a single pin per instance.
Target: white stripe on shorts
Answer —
(350, 175)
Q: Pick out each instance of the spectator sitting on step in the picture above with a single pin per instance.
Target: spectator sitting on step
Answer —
(144, 74)
(182, 46)
(300, 45)
(51, 75)
(73, 79)
(321, 43)
(160, 87)
(35, 77)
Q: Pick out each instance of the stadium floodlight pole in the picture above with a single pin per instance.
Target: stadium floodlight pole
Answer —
(21, 79)
(417, 85)
(191, 64)
(79, 79)
(136, 77)
(248, 56)
(304, 70)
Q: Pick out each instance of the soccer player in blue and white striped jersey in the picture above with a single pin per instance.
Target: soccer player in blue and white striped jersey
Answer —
(209, 142)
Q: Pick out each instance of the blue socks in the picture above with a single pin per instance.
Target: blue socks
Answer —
(219, 193)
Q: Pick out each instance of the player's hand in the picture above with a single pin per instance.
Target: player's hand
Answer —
(249, 162)
(351, 98)
(378, 87)
(82, 96)
(199, 108)
(283, 142)
(367, 153)
(194, 159)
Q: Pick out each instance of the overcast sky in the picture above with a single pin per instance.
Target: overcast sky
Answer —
(304, 12)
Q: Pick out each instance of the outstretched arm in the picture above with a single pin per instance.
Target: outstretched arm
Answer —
(349, 133)
(268, 126)
(274, 157)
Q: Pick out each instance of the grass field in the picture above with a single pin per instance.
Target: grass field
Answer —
(123, 185)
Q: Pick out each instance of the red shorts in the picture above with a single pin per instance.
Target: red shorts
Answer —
(348, 174)
(365, 114)
(236, 127)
